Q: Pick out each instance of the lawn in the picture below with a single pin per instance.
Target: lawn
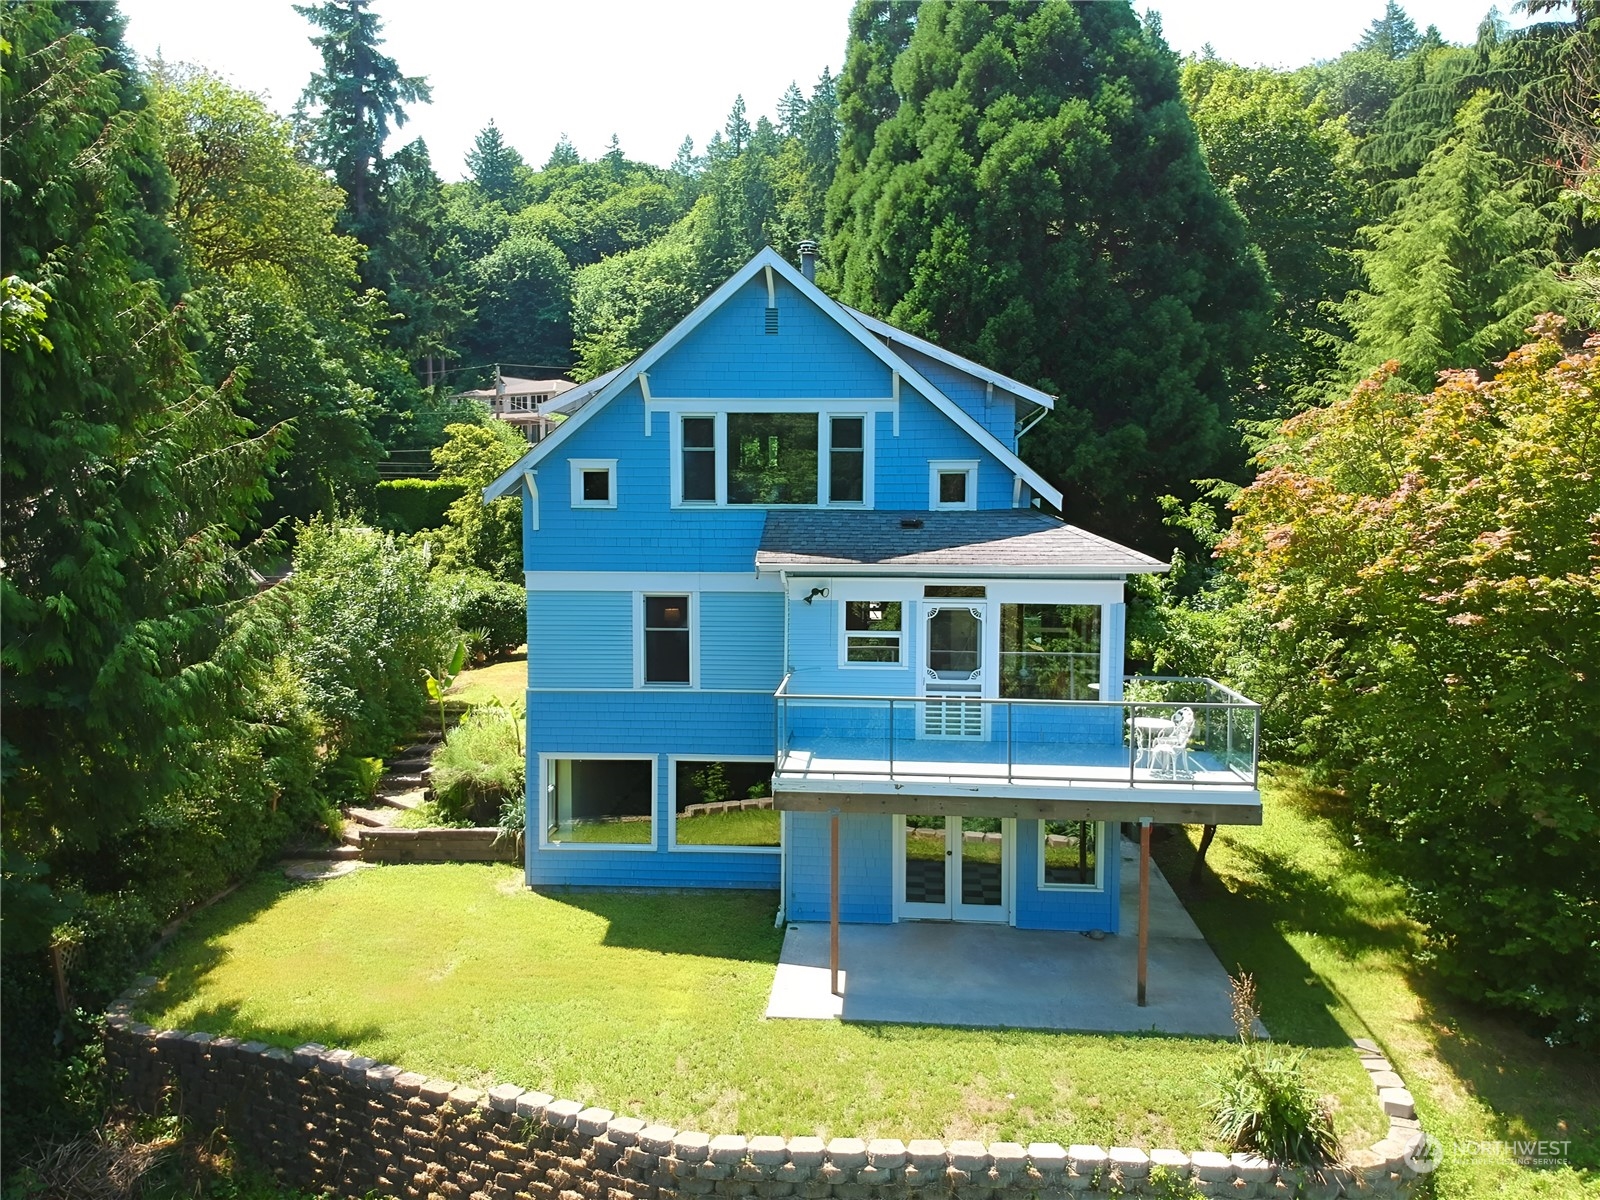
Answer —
(504, 681)
(1326, 938)
(651, 1004)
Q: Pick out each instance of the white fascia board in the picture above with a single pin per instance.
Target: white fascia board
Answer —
(965, 365)
(911, 375)
(946, 570)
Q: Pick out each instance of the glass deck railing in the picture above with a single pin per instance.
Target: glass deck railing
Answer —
(1167, 731)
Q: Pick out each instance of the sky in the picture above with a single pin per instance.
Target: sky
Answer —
(653, 72)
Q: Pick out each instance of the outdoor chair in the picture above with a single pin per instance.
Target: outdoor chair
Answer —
(1171, 746)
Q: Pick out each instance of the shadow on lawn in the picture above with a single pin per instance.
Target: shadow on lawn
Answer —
(709, 924)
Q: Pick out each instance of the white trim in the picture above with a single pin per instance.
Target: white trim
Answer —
(578, 466)
(639, 684)
(644, 393)
(842, 406)
(768, 258)
(672, 805)
(901, 662)
(533, 498)
(772, 290)
(953, 466)
(656, 689)
(1084, 571)
(1099, 884)
(545, 784)
(965, 365)
(662, 581)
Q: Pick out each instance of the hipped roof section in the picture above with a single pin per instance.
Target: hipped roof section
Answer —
(595, 398)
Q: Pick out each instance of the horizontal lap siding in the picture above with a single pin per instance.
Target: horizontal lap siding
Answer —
(580, 639)
(741, 640)
(814, 633)
(651, 725)
(866, 868)
(1040, 909)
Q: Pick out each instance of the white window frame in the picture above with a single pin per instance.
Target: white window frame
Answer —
(638, 642)
(547, 761)
(519, 404)
(824, 411)
(902, 662)
(1099, 884)
(952, 466)
(578, 466)
(672, 805)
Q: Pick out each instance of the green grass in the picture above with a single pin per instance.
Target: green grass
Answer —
(651, 1004)
(612, 833)
(1329, 944)
(504, 681)
(427, 815)
(742, 827)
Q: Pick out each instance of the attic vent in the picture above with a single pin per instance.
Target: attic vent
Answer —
(772, 320)
(910, 522)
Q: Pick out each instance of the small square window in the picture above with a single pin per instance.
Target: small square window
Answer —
(594, 482)
(953, 484)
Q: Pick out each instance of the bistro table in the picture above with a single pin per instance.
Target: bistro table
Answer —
(1144, 731)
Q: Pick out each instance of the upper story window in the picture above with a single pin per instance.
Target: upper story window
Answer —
(519, 404)
(594, 482)
(873, 631)
(772, 458)
(953, 484)
(666, 640)
(699, 435)
(847, 460)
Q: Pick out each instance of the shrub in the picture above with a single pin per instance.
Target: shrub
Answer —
(367, 617)
(409, 505)
(1262, 1103)
(477, 601)
(480, 766)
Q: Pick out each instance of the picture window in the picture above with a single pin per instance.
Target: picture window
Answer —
(599, 801)
(719, 804)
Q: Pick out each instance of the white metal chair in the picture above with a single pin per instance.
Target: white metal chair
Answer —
(1171, 746)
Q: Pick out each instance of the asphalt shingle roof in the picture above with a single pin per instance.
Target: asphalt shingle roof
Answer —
(1016, 538)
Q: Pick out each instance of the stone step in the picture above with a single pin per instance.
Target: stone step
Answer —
(336, 853)
(351, 833)
(408, 799)
(376, 818)
(396, 779)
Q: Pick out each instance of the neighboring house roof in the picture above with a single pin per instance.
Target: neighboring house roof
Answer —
(582, 393)
(511, 385)
(1020, 541)
(770, 259)
(977, 370)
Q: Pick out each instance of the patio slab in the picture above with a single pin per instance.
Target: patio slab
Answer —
(945, 973)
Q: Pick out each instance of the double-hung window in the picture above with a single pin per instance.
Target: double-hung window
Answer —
(873, 630)
(847, 460)
(666, 640)
(700, 460)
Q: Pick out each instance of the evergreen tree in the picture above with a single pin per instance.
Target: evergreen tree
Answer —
(127, 479)
(349, 105)
(615, 162)
(1461, 269)
(1038, 201)
(1393, 35)
(737, 130)
(866, 99)
(562, 155)
(686, 164)
(494, 166)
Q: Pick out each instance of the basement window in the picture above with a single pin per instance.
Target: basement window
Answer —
(1069, 855)
(719, 804)
(600, 802)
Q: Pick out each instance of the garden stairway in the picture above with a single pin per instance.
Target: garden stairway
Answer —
(403, 786)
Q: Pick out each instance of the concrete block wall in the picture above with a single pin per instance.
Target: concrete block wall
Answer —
(344, 1125)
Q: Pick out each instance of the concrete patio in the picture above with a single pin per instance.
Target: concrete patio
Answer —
(939, 973)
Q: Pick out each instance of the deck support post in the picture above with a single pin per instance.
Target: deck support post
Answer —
(833, 903)
(1144, 903)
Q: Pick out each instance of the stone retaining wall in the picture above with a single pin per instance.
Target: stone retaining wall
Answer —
(332, 1121)
(438, 845)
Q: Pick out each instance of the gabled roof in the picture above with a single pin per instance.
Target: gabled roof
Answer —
(965, 365)
(768, 258)
(1011, 541)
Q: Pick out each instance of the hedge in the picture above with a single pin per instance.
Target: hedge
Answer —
(407, 505)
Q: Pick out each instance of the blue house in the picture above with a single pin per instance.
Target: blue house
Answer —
(799, 618)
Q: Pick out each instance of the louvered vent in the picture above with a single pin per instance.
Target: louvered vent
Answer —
(772, 320)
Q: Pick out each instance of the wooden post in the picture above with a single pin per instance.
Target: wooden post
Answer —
(833, 903)
(1144, 902)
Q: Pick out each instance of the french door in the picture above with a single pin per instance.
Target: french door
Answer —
(953, 868)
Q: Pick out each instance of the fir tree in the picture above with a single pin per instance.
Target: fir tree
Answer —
(562, 155)
(1393, 35)
(494, 166)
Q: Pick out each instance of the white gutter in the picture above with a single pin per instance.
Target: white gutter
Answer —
(956, 570)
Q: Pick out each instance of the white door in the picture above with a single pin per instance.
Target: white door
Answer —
(954, 868)
(953, 665)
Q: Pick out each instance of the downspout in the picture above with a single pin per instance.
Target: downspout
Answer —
(783, 817)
